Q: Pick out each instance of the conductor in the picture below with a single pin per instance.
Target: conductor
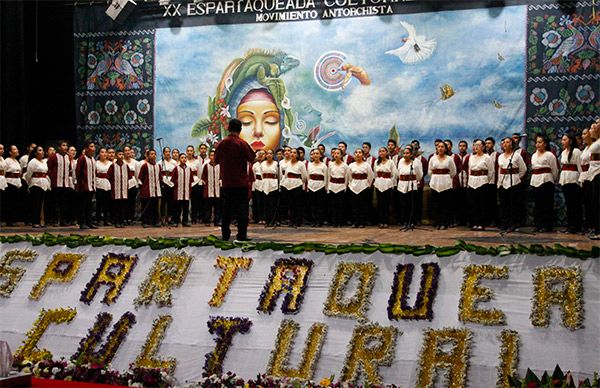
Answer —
(233, 154)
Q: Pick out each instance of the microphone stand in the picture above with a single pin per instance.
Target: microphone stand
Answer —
(160, 145)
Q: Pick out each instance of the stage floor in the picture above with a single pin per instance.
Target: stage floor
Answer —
(420, 236)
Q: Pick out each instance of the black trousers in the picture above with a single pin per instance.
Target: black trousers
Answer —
(212, 210)
(11, 204)
(85, 207)
(383, 206)
(119, 209)
(595, 205)
(102, 205)
(510, 215)
(181, 208)
(317, 204)
(360, 206)
(574, 202)
(336, 205)
(271, 207)
(284, 205)
(296, 203)
(492, 204)
(166, 202)
(197, 193)
(235, 204)
(58, 200)
(418, 214)
(543, 198)
(71, 212)
(258, 206)
(442, 202)
(150, 210)
(1, 207)
(131, 201)
(477, 205)
(50, 207)
(461, 206)
(406, 205)
(36, 203)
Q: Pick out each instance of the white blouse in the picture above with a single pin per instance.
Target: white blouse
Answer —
(257, 185)
(545, 160)
(282, 168)
(2, 171)
(269, 185)
(338, 172)
(441, 182)
(300, 175)
(196, 168)
(594, 164)
(507, 180)
(585, 164)
(320, 170)
(409, 175)
(134, 166)
(570, 170)
(12, 166)
(37, 167)
(102, 169)
(358, 185)
(72, 178)
(481, 164)
(385, 174)
(166, 168)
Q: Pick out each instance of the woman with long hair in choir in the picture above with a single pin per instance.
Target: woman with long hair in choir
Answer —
(410, 173)
(586, 184)
(295, 178)
(38, 183)
(316, 186)
(103, 193)
(594, 177)
(167, 165)
(511, 171)
(442, 169)
(361, 177)
(339, 176)
(544, 172)
(270, 186)
(385, 180)
(12, 175)
(570, 168)
(480, 174)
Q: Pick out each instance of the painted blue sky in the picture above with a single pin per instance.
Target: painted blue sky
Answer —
(190, 62)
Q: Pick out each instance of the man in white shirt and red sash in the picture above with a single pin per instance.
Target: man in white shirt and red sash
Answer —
(85, 175)
(181, 176)
(118, 175)
(59, 170)
(150, 192)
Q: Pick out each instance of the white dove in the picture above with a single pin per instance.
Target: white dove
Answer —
(416, 48)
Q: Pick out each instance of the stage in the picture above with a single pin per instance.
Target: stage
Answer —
(421, 236)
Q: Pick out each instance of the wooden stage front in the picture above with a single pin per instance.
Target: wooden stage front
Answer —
(346, 235)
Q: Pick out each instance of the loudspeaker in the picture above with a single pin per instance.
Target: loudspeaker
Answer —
(119, 10)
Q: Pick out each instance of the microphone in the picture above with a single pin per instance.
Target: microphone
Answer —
(159, 138)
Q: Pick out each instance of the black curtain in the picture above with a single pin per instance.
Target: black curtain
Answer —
(36, 73)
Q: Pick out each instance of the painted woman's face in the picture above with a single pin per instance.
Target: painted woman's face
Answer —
(260, 123)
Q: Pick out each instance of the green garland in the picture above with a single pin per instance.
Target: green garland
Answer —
(76, 240)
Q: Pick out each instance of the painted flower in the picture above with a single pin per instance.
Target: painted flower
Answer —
(565, 20)
(83, 107)
(557, 107)
(211, 138)
(92, 61)
(224, 112)
(137, 59)
(143, 106)
(538, 96)
(110, 107)
(93, 117)
(130, 117)
(285, 103)
(585, 94)
(551, 39)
